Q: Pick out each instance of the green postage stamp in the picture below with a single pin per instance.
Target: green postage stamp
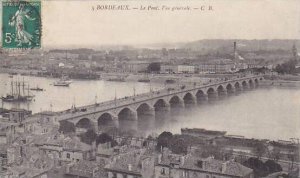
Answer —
(21, 24)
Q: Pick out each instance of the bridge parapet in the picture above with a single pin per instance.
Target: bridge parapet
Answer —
(130, 100)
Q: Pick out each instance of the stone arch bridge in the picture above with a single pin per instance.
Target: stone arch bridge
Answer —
(109, 113)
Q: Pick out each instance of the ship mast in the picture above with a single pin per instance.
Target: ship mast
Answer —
(28, 89)
(19, 89)
(12, 88)
(23, 86)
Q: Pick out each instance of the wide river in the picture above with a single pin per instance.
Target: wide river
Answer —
(261, 113)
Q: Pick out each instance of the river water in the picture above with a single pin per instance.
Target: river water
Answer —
(261, 113)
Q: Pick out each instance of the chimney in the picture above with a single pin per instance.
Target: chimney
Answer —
(234, 50)
(224, 167)
(182, 159)
(129, 167)
(114, 160)
(159, 158)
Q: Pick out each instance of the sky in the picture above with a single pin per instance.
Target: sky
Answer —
(74, 23)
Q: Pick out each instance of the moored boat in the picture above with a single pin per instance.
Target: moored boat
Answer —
(37, 89)
(144, 80)
(63, 82)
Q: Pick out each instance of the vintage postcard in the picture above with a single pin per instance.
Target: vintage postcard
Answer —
(149, 88)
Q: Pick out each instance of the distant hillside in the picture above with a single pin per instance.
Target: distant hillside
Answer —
(75, 51)
(242, 45)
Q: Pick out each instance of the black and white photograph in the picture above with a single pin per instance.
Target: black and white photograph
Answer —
(150, 89)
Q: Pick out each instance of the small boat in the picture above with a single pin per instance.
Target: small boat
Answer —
(170, 81)
(144, 80)
(37, 89)
(15, 98)
(116, 79)
(63, 82)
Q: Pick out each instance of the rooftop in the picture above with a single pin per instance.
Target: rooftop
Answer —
(231, 168)
(87, 169)
(70, 144)
(129, 162)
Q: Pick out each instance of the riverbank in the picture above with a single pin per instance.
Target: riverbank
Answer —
(280, 84)
(124, 77)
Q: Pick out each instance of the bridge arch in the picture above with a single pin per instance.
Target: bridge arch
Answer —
(251, 83)
(84, 123)
(127, 114)
(175, 101)
(200, 95)
(229, 88)
(244, 84)
(211, 92)
(106, 119)
(160, 104)
(189, 98)
(256, 81)
(144, 109)
(237, 86)
(221, 90)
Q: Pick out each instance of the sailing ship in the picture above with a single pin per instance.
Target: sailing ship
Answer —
(63, 82)
(18, 93)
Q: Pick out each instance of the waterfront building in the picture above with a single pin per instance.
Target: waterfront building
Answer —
(177, 69)
(168, 69)
(186, 69)
(136, 66)
(216, 66)
(202, 133)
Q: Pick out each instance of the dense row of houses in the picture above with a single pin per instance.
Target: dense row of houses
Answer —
(35, 149)
(44, 154)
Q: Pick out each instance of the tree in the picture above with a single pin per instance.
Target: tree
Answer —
(211, 150)
(103, 138)
(273, 166)
(259, 149)
(275, 154)
(288, 67)
(164, 140)
(293, 156)
(154, 67)
(178, 146)
(88, 137)
(259, 168)
(66, 127)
